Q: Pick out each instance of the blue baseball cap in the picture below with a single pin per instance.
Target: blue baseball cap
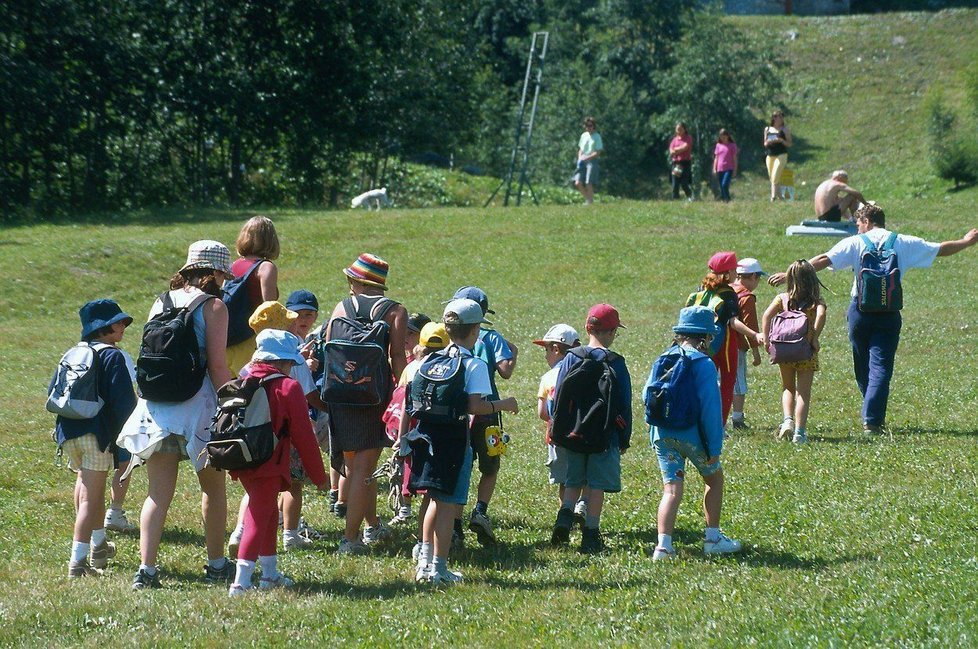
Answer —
(697, 321)
(302, 300)
(101, 313)
(475, 294)
(277, 345)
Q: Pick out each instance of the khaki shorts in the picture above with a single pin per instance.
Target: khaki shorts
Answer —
(83, 453)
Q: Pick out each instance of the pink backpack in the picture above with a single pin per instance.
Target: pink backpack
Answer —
(788, 340)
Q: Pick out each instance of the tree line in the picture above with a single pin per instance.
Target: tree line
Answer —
(123, 104)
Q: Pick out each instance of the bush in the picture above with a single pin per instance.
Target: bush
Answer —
(953, 153)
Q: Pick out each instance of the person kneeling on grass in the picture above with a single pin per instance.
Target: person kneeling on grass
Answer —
(701, 443)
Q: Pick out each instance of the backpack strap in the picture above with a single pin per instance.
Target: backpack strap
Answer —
(351, 307)
(166, 301)
(868, 242)
(197, 301)
(381, 308)
(889, 243)
(784, 301)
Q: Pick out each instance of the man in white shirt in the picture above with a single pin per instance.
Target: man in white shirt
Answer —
(875, 335)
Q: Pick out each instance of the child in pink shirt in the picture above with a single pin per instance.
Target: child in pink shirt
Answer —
(725, 162)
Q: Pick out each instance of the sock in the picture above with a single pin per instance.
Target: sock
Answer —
(149, 570)
(114, 511)
(79, 551)
(737, 416)
(799, 431)
(405, 511)
(439, 564)
(290, 535)
(98, 536)
(334, 496)
(269, 566)
(712, 534)
(594, 522)
(665, 541)
(243, 573)
(482, 507)
(217, 564)
(458, 527)
(424, 557)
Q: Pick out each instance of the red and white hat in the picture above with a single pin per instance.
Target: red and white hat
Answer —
(559, 333)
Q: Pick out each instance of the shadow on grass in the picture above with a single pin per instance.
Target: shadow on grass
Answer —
(165, 216)
(760, 556)
(182, 536)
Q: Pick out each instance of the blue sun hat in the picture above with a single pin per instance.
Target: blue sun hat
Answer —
(277, 345)
(101, 313)
(696, 321)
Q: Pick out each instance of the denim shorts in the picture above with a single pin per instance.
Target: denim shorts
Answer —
(557, 466)
(740, 385)
(461, 494)
(601, 471)
(672, 455)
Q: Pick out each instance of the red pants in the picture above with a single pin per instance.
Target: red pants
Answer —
(261, 518)
(726, 362)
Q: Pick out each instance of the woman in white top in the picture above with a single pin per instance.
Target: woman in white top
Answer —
(170, 431)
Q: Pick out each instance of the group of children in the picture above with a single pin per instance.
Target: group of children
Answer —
(443, 417)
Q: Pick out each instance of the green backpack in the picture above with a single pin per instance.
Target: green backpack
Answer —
(713, 300)
(437, 392)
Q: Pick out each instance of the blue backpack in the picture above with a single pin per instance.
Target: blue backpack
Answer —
(670, 393)
(240, 308)
(878, 286)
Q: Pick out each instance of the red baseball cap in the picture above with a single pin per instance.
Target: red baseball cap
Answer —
(722, 262)
(604, 317)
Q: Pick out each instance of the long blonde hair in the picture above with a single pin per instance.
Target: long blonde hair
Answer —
(258, 238)
(804, 289)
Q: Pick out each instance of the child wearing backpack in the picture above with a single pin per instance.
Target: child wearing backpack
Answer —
(804, 295)
(441, 455)
(255, 280)
(86, 431)
(591, 440)
(500, 356)
(749, 275)
(181, 360)
(558, 340)
(682, 403)
(276, 354)
(717, 294)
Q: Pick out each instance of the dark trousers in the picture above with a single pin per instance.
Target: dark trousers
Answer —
(874, 338)
(724, 178)
(685, 180)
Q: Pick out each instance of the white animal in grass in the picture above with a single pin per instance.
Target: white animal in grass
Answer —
(374, 199)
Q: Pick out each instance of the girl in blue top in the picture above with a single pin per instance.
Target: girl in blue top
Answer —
(701, 444)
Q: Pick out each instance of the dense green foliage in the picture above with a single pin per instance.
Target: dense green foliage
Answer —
(108, 105)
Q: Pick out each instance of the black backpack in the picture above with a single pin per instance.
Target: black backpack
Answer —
(242, 436)
(437, 392)
(587, 404)
(240, 308)
(356, 361)
(170, 366)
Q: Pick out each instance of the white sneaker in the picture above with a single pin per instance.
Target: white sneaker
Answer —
(116, 521)
(416, 551)
(237, 590)
(799, 438)
(279, 581)
(580, 511)
(296, 543)
(444, 577)
(786, 427)
(723, 545)
(234, 543)
(404, 515)
(662, 554)
(422, 573)
(375, 534)
(354, 548)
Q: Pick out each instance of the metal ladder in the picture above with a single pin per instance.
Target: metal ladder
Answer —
(524, 125)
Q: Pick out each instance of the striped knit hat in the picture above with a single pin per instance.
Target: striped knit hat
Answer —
(368, 269)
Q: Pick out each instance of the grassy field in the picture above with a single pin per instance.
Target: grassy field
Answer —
(849, 541)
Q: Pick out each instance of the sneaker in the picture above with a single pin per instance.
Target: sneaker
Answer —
(143, 580)
(458, 541)
(101, 554)
(308, 531)
(739, 423)
(297, 542)
(82, 569)
(662, 554)
(786, 427)
(416, 551)
(444, 577)
(723, 545)
(562, 527)
(591, 541)
(580, 513)
(422, 573)
(353, 548)
(799, 437)
(237, 590)
(376, 534)
(278, 581)
(224, 574)
(404, 515)
(875, 429)
(482, 526)
(339, 509)
(116, 521)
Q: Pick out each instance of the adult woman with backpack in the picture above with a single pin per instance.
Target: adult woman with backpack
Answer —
(364, 350)
(257, 246)
(187, 324)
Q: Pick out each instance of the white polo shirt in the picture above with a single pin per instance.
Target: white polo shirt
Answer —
(912, 252)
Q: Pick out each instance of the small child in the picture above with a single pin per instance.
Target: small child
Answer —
(804, 293)
(701, 443)
(600, 472)
(415, 323)
(749, 275)
(558, 340)
(277, 352)
(90, 443)
(445, 468)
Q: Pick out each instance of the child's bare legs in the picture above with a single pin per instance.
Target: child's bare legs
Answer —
(362, 505)
(439, 526)
(119, 489)
(803, 397)
(738, 402)
(595, 503)
(89, 503)
(161, 473)
(787, 397)
(713, 498)
(672, 495)
(292, 505)
(214, 510)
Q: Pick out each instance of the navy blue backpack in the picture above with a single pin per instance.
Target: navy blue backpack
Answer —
(240, 308)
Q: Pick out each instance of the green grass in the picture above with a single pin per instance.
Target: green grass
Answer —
(848, 541)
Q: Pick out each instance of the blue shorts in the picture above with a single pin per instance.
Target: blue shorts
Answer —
(122, 455)
(461, 494)
(601, 471)
(672, 455)
(557, 466)
(740, 385)
(587, 173)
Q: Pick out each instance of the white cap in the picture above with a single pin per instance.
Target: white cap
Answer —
(749, 266)
(464, 311)
(560, 333)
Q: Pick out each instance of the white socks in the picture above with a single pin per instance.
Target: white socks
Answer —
(737, 416)
(665, 542)
(245, 570)
(712, 534)
(290, 535)
(424, 557)
(98, 536)
(79, 551)
(269, 566)
(217, 563)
